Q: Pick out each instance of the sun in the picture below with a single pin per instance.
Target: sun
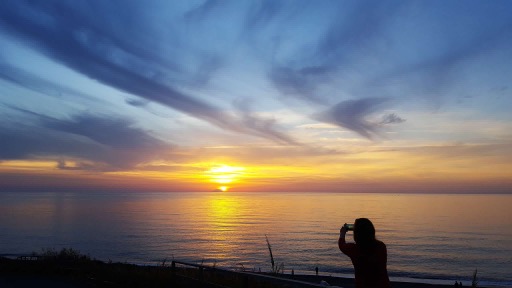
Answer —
(225, 174)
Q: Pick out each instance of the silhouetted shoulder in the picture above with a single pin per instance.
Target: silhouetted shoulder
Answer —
(380, 244)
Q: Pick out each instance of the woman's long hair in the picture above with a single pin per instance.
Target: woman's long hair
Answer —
(364, 232)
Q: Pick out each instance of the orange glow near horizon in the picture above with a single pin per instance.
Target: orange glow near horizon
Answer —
(379, 171)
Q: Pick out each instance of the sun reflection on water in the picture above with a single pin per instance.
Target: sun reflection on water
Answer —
(223, 230)
(223, 208)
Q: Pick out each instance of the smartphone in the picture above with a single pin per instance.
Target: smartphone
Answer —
(350, 227)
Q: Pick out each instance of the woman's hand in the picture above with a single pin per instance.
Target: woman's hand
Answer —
(341, 240)
(343, 229)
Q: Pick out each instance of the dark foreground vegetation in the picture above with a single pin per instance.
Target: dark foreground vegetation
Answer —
(70, 269)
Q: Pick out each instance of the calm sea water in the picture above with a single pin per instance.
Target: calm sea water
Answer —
(428, 236)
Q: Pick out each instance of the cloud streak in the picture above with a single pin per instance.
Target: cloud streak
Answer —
(74, 39)
(37, 84)
(391, 119)
(352, 115)
(95, 143)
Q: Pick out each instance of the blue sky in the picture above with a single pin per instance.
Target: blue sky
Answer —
(178, 87)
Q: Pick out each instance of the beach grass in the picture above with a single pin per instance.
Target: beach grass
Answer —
(474, 281)
(275, 268)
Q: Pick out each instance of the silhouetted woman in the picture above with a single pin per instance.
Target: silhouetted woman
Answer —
(368, 255)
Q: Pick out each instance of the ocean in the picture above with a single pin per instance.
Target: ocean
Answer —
(430, 237)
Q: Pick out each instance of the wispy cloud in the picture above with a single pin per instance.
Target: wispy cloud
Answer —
(35, 83)
(352, 115)
(113, 57)
(91, 141)
(391, 119)
(137, 102)
(301, 83)
(265, 126)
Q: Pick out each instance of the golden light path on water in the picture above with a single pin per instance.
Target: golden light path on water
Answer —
(425, 234)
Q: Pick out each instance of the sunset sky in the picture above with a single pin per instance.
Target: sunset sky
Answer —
(338, 96)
